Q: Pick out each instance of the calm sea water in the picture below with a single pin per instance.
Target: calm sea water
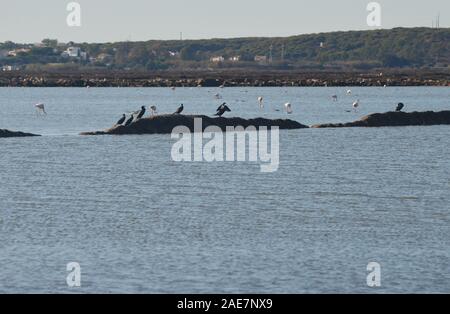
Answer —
(137, 221)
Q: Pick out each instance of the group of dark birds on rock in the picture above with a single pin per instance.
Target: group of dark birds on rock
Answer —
(139, 114)
(135, 116)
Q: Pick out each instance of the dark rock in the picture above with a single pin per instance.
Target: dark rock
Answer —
(164, 124)
(7, 133)
(394, 119)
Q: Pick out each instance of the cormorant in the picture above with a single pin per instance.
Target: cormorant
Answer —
(141, 113)
(222, 109)
(400, 106)
(180, 109)
(129, 121)
(221, 106)
(122, 120)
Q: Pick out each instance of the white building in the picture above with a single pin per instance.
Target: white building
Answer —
(9, 68)
(73, 52)
(235, 59)
(15, 52)
(261, 59)
(217, 59)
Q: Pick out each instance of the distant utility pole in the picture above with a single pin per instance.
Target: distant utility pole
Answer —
(436, 23)
(270, 54)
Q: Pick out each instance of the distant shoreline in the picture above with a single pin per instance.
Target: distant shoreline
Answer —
(226, 78)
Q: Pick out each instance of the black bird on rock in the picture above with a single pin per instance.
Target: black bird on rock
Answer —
(400, 106)
(122, 120)
(180, 109)
(222, 109)
(141, 113)
(129, 121)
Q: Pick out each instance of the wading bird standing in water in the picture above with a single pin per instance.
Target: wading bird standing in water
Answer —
(356, 105)
(153, 110)
(288, 108)
(334, 97)
(40, 108)
(260, 100)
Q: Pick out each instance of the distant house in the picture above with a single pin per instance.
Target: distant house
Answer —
(75, 52)
(217, 59)
(173, 53)
(235, 59)
(261, 59)
(15, 52)
(10, 68)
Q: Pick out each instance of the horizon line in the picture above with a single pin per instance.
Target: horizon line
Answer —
(238, 37)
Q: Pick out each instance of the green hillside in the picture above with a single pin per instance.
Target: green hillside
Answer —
(399, 47)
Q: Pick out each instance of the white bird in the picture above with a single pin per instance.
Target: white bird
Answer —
(334, 97)
(288, 107)
(260, 100)
(349, 92)
(173, 88)
(218, 96)
(40, 108)
(356, 104)
(153, 110)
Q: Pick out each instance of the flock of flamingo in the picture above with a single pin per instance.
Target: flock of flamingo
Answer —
(288, 108)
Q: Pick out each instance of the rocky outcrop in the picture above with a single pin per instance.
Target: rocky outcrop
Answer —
(225, 77)
(7, 133)
(164, 124)
(394, 119)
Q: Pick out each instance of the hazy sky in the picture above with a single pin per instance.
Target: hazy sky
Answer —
(114, 20)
